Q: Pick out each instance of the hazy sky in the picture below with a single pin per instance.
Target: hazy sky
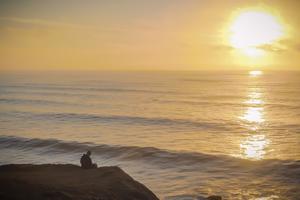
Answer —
(138, 35)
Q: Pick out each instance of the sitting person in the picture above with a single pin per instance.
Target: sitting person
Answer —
(86, 161)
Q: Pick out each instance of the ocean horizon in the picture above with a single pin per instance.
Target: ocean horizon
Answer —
(184, 134)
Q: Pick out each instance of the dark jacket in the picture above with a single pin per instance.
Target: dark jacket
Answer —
(86, 161)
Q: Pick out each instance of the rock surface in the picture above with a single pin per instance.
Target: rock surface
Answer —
(64, 182)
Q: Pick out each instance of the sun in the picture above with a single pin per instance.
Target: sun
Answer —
(251, 30)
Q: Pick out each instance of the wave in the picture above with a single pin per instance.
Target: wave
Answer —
(159, 157)
(34, 101)
(239, 102)
(285, 171)
(202, 102)
(123, 119)
(48, 93)
(68, 88)
(122, 152)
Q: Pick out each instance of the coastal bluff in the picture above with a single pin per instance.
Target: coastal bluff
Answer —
(66, 181)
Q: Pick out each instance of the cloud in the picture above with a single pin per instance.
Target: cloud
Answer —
(37, 22)
(281, 46)
(55, 24)
(275, 48)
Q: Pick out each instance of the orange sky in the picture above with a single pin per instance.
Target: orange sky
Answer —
(137, 35)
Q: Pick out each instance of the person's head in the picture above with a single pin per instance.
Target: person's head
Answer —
(88, 153)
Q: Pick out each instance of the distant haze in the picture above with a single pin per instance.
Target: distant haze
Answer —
(138, 35)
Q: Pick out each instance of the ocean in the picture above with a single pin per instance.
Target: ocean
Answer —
(182, 134)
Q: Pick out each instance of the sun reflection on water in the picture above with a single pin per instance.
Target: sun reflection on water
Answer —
(254, 101)
(255, 73)
(255, 144)
(272, 197)
(253, 114)
(254, 111)
(255, 96)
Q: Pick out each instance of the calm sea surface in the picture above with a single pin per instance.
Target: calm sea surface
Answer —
(183, 134)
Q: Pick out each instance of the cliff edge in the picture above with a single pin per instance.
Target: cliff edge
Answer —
(64, 182)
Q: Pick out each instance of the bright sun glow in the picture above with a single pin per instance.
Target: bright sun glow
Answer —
(251, 30)
(255, 73)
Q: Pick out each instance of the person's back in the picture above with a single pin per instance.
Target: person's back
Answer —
(86, 161)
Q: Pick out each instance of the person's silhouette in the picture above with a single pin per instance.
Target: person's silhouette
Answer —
(86, 161)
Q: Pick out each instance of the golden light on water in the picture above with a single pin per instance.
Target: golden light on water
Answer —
(254, 111)
(254, 146)
(255, 73)
(254, 101)
(252, 29)
(253, 115)
(255, 96)
(271, 197)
